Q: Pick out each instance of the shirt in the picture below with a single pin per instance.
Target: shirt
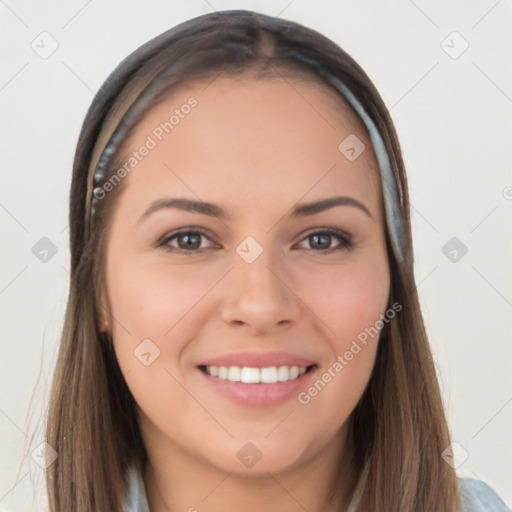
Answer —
(477, 496)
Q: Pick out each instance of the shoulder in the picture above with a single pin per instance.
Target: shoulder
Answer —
(136, 500)
(477, 496)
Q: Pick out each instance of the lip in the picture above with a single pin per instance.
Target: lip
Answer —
(259, 395)
(258, 360)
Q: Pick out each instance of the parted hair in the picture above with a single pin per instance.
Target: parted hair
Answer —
(398, 429)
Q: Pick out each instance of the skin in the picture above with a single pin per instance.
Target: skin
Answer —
(256, 148)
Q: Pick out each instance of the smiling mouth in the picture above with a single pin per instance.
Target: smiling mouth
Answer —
(250, 375)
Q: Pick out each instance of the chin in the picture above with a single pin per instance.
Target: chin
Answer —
(258, 456)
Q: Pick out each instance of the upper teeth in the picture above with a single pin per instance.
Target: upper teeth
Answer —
(248, 375)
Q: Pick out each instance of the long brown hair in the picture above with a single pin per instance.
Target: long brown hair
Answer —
(398, 429)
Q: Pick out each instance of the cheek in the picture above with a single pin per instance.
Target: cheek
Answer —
(150, 299)
(348, 300)
(349, 303)
(153, 301)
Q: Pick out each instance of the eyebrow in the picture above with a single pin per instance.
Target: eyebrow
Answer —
(214, 210)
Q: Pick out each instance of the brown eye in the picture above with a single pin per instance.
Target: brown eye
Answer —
(322, 240)
(186, 241)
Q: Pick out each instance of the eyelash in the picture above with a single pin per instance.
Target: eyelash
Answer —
(346, 243)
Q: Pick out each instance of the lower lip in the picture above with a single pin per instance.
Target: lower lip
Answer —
(262, 395)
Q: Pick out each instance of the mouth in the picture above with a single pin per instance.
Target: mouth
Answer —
(253, 375)
(262, 379)
(267, 386)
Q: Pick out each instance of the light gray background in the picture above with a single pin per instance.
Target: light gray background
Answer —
(453, 117)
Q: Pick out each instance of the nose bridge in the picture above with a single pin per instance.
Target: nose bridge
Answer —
(258, 294)
(255, 271)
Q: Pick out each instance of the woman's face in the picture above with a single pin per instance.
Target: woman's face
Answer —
(262, 286)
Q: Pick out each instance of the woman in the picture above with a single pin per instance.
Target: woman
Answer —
(243, 329)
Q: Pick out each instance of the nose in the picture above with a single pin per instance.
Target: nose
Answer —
(260, 297)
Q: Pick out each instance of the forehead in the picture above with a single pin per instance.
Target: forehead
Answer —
(254, 137)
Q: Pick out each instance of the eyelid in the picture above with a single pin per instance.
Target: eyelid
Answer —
(165, 239)
(346, 240)
(347, 243)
